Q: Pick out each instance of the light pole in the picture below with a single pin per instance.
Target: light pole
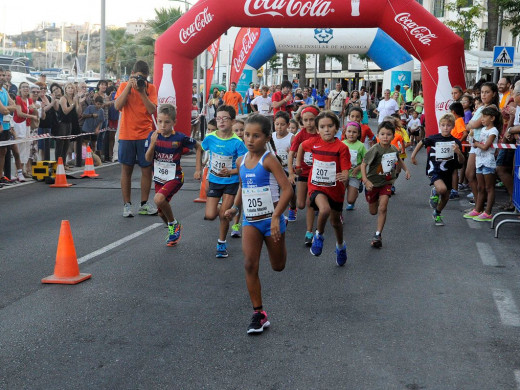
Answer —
(102, 37)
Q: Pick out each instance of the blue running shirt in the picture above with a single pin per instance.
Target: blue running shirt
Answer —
(224, 153)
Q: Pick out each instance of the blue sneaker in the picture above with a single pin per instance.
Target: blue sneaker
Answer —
(341, 255)
(349, 207)
(292, 214)
(454, 195)
(317, 244)
(221, 250)
(308, 238)
(393, 190)
(174, 234)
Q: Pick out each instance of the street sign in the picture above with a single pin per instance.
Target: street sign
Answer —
(503, 56)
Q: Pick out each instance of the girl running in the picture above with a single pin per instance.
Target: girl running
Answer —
(308, 115)
(282, 142)
(357, 152)
(486, 164)
(261, 174)
(331, 162)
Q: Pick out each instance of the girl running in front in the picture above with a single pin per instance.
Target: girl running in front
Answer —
(224, 147)
(261, 176)
(357, 152)
(486, 164)
(381, 161)
(238, 129)
(308, 115)
(282, 142)
(331, 162)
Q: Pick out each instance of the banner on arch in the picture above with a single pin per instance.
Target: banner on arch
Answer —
(245, 42)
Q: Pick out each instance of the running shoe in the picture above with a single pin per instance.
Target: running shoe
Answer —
(341, 255)
(20, 177)
(471, 201)
(174, 234)
(308, 238)
(463, 187)
(317, 244)
(438, 219)
(147, 209)
(349, 207)
(259, 321)
(235, 230)
(434, 199)
(483, 217)
(499, 184)
(472, 214)
(393, 190)
(6, 180)
(221, 250)
(127, 210)
(454, 195)
(292, 214)
(377, 241)
(470, 196)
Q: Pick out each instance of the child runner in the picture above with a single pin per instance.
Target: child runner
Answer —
(282, 141)
(357, 152)
(459, 132)
(261, 175)
(414, 128)
(381, 161)
(238, 129)
(225, 148)
(308, 115)
(367, 136)
(294, 127)
(486, 164)
(331, 162)
(164, 148)
(441, 164)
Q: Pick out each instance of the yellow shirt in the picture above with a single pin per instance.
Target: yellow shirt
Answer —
(406, 140)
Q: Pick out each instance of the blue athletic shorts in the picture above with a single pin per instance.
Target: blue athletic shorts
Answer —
(133, 151)
(264, 226)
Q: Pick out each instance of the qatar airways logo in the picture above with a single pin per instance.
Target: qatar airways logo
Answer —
(201, 21)
(421, 33)
(290, 8)
(248, 42)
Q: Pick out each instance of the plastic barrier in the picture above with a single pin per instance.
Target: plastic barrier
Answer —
(516, 198)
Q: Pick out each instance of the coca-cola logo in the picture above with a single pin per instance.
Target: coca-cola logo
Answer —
(201, 21)
(443, 106)
(290, 8)
(421, 33)
(168, 100)
(248, 42)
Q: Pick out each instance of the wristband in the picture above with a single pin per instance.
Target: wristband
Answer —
(235, 207)
(297, 167)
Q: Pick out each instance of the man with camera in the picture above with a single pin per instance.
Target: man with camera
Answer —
(137, 101)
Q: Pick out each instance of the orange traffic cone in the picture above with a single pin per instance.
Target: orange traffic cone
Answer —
(203, 184)
(66, 270)
(89, 165)
(61, 177)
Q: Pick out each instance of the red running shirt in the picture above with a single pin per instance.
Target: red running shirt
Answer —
(303, 135)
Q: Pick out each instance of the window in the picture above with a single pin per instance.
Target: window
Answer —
(420, 2)
(438, 8)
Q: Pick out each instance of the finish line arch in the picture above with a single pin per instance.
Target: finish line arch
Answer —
(380, 47)
(440, 51)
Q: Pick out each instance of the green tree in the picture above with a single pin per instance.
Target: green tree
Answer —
(120, 51)
(464, 24)
(511, 10)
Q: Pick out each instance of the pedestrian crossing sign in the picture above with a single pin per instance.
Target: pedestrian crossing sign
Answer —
(503, 56)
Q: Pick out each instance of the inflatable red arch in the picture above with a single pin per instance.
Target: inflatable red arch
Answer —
(440, 51)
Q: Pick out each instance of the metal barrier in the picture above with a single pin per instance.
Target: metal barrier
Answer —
(516, 198)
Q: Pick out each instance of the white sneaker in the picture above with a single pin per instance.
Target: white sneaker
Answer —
(20, 177)
(147, 209)
(127, 210)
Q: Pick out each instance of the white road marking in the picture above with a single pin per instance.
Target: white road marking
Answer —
(486, 254)
(517, 377)
(506, 306)
(118, 243)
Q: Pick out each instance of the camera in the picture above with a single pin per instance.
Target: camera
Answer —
(141, 81)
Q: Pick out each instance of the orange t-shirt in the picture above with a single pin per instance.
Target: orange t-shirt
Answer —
(459, 129)
(232, 99)
(398, 142)
(136, 122)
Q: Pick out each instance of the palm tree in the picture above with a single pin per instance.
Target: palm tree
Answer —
(120, 50)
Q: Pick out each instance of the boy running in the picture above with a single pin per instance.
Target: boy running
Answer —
(441, 164)
(164, 148)
(225, 148)
(381, 161)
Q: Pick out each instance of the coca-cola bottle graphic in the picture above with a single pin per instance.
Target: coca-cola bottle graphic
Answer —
(166, 93)
(355, 7)
(443, 93)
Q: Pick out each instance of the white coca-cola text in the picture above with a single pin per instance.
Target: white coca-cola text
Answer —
(287, 7)
(167, 100)
(421, 33)
(247, 43)
(201, 21)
